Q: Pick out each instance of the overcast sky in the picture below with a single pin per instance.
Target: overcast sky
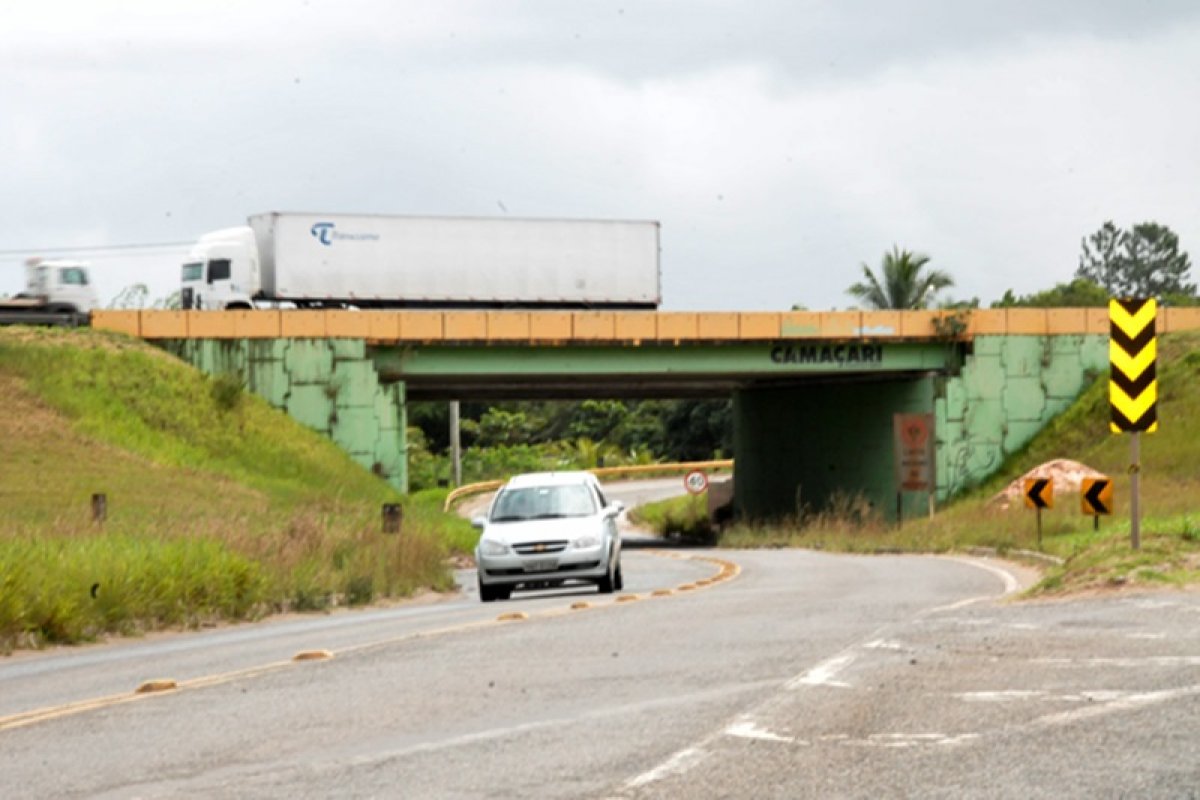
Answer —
(780, 144)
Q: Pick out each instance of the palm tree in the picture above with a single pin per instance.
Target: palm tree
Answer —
(904, 284)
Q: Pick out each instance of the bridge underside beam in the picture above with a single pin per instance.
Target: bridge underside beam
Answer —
(497, 373)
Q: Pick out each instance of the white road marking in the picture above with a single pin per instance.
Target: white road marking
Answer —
(677, 764)
(962, 738)
(822, 674)
(1097, 696)
(1147, 661)
(898, 740)
(883, 644)
(1009, 580)
(747, 729)
(999, 697)
(1130, 702)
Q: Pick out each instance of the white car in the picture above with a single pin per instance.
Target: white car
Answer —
(544, 529)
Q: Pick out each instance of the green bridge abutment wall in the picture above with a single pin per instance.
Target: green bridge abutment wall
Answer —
(330, 385)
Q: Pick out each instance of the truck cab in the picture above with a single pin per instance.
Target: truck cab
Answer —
(221, 271)
(60, 286)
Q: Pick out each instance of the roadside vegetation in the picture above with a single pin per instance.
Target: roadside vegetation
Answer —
(218, 507)
(1092, 559)
(507, 438)
(682, 519)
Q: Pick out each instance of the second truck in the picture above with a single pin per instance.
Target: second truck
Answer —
(55, 293)
(377, 261)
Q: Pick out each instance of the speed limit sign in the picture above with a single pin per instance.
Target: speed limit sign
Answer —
(695, 481)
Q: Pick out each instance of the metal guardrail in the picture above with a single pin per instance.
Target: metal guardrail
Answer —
(644, 470)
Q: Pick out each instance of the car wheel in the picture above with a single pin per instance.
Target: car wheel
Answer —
(608, 583)
(619, 579)
(489, 593)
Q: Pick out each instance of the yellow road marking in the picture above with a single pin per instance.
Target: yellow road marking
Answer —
(728, 570)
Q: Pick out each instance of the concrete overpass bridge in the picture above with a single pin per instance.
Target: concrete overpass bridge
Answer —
(813, 392)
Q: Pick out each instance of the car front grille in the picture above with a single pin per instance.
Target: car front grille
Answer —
(537, 548)
(508, 573)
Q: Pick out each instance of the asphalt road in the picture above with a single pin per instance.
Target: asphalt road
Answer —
(796, 675)
(804, 675)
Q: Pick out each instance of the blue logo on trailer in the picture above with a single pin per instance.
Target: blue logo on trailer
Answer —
(324, 232)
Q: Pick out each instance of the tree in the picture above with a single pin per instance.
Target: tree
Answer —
(1142, 262)
(1079, 293)
(696, 430)
(905, 284)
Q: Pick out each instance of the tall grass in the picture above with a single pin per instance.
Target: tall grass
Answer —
(219, 506)
(69, 589)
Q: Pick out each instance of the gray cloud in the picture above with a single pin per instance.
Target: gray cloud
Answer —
(780, 144)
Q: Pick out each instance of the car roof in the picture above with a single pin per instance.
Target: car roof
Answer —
(567, 478)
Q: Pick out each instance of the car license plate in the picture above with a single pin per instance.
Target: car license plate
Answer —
(541, 565)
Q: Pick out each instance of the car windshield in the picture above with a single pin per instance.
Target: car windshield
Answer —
(193, 271)
(543, 502)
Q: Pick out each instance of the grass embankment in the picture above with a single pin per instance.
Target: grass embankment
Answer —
(219, 507)
(1170, 540)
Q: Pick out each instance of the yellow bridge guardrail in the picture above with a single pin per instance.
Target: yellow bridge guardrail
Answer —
(635, 327)
(599, 472)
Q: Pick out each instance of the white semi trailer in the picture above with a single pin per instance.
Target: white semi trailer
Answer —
(377, 261)
(55, 293)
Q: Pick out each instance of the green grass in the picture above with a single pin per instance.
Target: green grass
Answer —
(1170, 491)
(219, 507)
(683, 518)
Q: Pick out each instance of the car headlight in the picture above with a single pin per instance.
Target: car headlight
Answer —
(492, 547)
(587, 541)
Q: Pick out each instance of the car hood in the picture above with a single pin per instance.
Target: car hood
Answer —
(540, 530)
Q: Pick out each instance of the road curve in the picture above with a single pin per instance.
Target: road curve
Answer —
(451, 703)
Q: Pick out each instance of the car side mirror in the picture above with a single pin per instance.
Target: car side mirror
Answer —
(614, 509)
(479, 522)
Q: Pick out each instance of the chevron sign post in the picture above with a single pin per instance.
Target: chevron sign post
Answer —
(1039, 494)
(1133, 385)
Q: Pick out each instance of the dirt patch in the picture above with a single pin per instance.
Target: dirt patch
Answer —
(1064, 474)
(23, 415)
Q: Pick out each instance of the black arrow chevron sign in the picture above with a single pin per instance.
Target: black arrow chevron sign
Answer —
(1133, 351)
(1096, 495)
(1039, 493)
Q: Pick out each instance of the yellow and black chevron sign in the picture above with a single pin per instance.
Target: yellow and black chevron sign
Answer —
(1133, 384)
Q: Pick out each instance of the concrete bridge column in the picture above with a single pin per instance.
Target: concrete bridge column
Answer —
(802, 446)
